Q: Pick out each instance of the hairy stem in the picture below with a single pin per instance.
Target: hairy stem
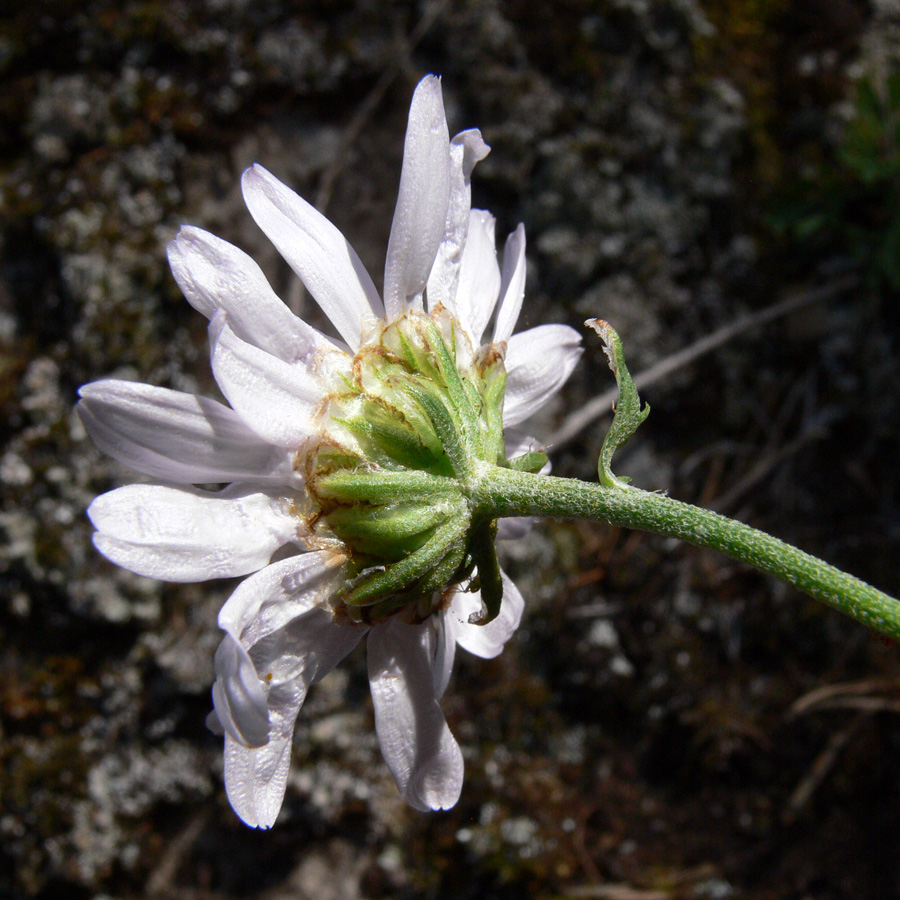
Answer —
(503, 492)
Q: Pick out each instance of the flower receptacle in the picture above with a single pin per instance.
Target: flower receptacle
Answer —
(404, 440)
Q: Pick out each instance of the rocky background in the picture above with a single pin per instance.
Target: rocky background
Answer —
(666, 724)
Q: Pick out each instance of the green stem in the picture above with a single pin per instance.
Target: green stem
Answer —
(503, 492)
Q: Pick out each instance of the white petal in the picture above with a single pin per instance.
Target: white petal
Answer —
(444, 655)
(306, 648)
(273, 397)
(319, 254)
(178, 437)
(538, 362)
(270, 600)
(280, 615)
(421, 210)
(466, 149)
(238, 696)
(214, 274)
(512, 285)
(185, 534)
(487, 641)
(420, 751)
(463, 606)
(479, 276)
(293, 642)
(255, 777)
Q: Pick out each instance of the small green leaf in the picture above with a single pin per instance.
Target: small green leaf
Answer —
(628, 411)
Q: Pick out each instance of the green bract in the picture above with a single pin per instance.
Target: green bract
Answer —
(401, 441)
(629, 414)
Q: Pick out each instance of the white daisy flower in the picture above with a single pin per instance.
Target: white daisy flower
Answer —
(350, 458)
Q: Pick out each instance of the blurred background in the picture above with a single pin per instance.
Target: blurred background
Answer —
(665, 724)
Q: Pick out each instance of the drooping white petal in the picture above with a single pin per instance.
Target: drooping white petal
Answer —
(273, 397)
(538, 362)
(178, 437)
(479, 276)
(307, 647)
(512, 284)
(319, 254)
(268, 601)
(486, 641)
(238, 695)
(214, 274)
(444, 656)
(293, 642)
(466, 149)
(422, 199)
(256, 777)
(420, 751)
(185, 534)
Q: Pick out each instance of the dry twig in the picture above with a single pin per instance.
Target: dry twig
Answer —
(830, 696)
(602, 405)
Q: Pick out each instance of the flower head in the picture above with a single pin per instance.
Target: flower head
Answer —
(350, 456)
